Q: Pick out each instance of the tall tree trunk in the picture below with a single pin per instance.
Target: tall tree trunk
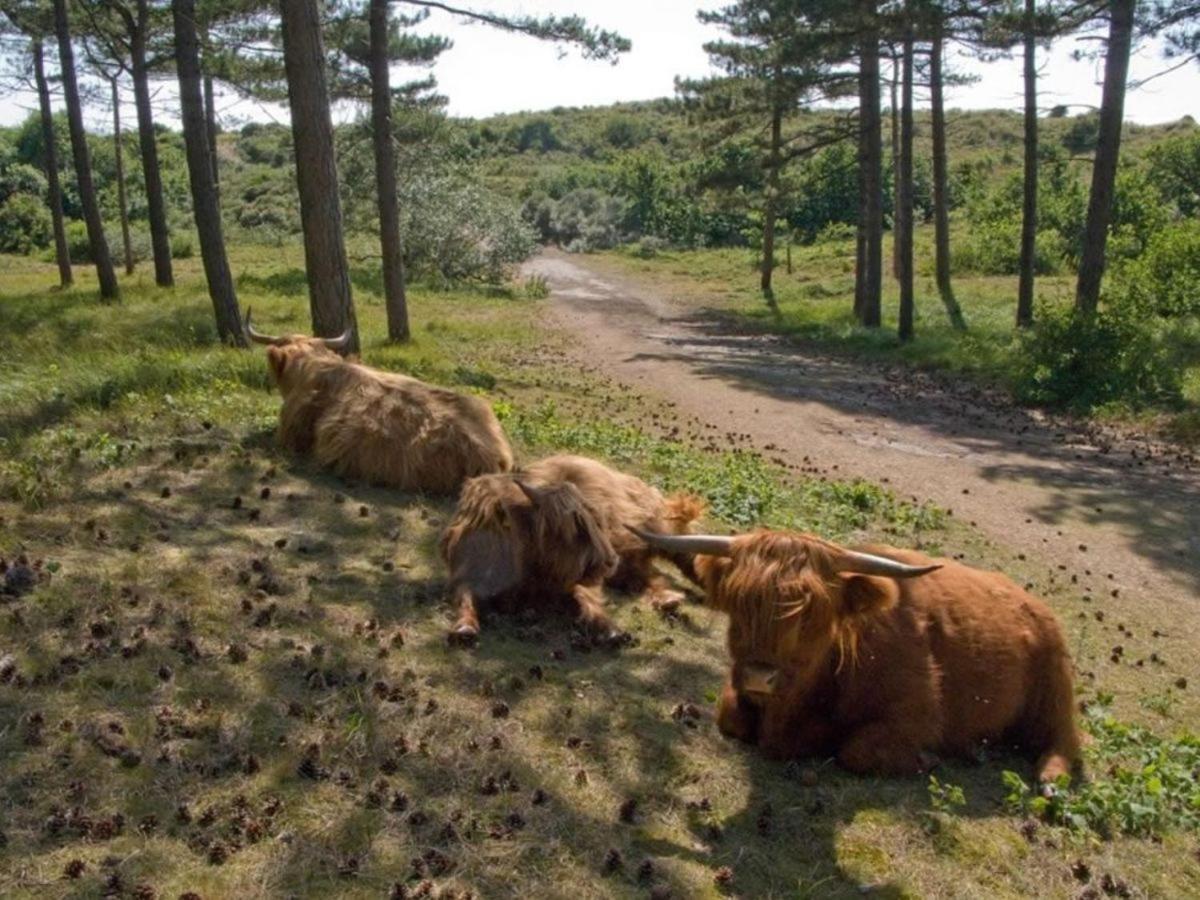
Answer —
(210, 128)
(61, 252)
(1108, 150)
(904, 213)
(97, 243)
(390, 247)
(160, 235)
(895, 123)
(1030, 202)
(941, 179)
(119, 161)
(770, 206)
(205, 204)
(316, 172)
(871, 159)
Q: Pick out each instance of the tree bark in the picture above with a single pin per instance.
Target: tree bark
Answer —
(391, 249)
(206, 206)
(61, 252)
(771, 201)
(870, 307)
(1030, 190)
(160, 235)
(210, 129)
(1108, 150)
(119, 161)
(83, 158)
(941, 179)
(316, 172)
(895, 123)
(904, 213)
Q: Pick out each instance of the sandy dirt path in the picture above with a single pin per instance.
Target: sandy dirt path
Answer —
(1074, 499)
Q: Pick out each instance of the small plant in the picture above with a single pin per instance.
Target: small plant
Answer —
(536, 287)
(944, 797)
(1148, 786)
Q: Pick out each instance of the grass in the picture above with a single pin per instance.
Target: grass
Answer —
(231, 678)
(814, 307)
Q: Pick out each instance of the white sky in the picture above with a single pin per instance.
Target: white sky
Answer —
(488, 72)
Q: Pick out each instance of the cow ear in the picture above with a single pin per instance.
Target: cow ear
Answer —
(277, 359)
(864, 595)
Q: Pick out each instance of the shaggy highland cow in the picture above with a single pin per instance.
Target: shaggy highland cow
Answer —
(556, 533)
(385, 428)
(882, 658)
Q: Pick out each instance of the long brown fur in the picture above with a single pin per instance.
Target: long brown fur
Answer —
(558, 541)
(885, 673)
(382, 427)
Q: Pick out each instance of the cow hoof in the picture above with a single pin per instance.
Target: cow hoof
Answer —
(928, 761)
(463, 636)
(667, 603)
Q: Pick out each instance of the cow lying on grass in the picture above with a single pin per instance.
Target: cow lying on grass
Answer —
(881, 660)
(385, 428)
(556, 533)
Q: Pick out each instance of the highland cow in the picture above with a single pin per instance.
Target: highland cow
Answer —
(382, 427)
(555, 534)
(883, 658)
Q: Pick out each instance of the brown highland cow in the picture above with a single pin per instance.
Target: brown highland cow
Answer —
(882, 658)
(384, 428)
(554, 534)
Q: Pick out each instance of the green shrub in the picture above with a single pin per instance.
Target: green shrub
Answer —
(1165, 280)
(1080, 362)
(25, 224)
(994, 248)
(181, 246)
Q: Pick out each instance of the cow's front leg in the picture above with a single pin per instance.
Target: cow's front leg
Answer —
(883, 748)
(592, 616)
(788, 733)
(737, 717)
(465, 632)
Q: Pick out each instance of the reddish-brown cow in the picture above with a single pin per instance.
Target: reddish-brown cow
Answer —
(556, 533)
(883, 658)
(385, 428)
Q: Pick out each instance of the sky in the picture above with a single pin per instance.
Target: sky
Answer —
(487, 71)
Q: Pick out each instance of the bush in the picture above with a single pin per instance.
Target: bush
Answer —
(587, 219)
(1078, 362)
(1165, 280)
(25, 224)
(994, 248)
(181, 246)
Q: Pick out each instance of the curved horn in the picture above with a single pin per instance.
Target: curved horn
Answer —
(857, 563)
(533, 493)
(340, 342)
(256, 336)
(704, 544)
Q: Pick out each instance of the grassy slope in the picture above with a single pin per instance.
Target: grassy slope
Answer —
(225, 644)
(815, 304)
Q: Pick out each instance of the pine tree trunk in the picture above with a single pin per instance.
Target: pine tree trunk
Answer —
(390, 247)
(895, 160)
(904, 212)
(206, 206)
(1029, 204)
(316, 172)
(61, 252)
(119, 161)
(771, 201)
(1108, 149)
(97, 242)
(872, 160)
(210, 129)
(941, 179)
(160, 235)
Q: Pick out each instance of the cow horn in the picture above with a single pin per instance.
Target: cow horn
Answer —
(256, 336)
(533, 493)
(858, 563)
(340, 342)
(704, 544)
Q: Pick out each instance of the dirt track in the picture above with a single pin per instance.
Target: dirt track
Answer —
(1062, 496)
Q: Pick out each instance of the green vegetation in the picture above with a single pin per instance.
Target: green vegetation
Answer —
(230, 674)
